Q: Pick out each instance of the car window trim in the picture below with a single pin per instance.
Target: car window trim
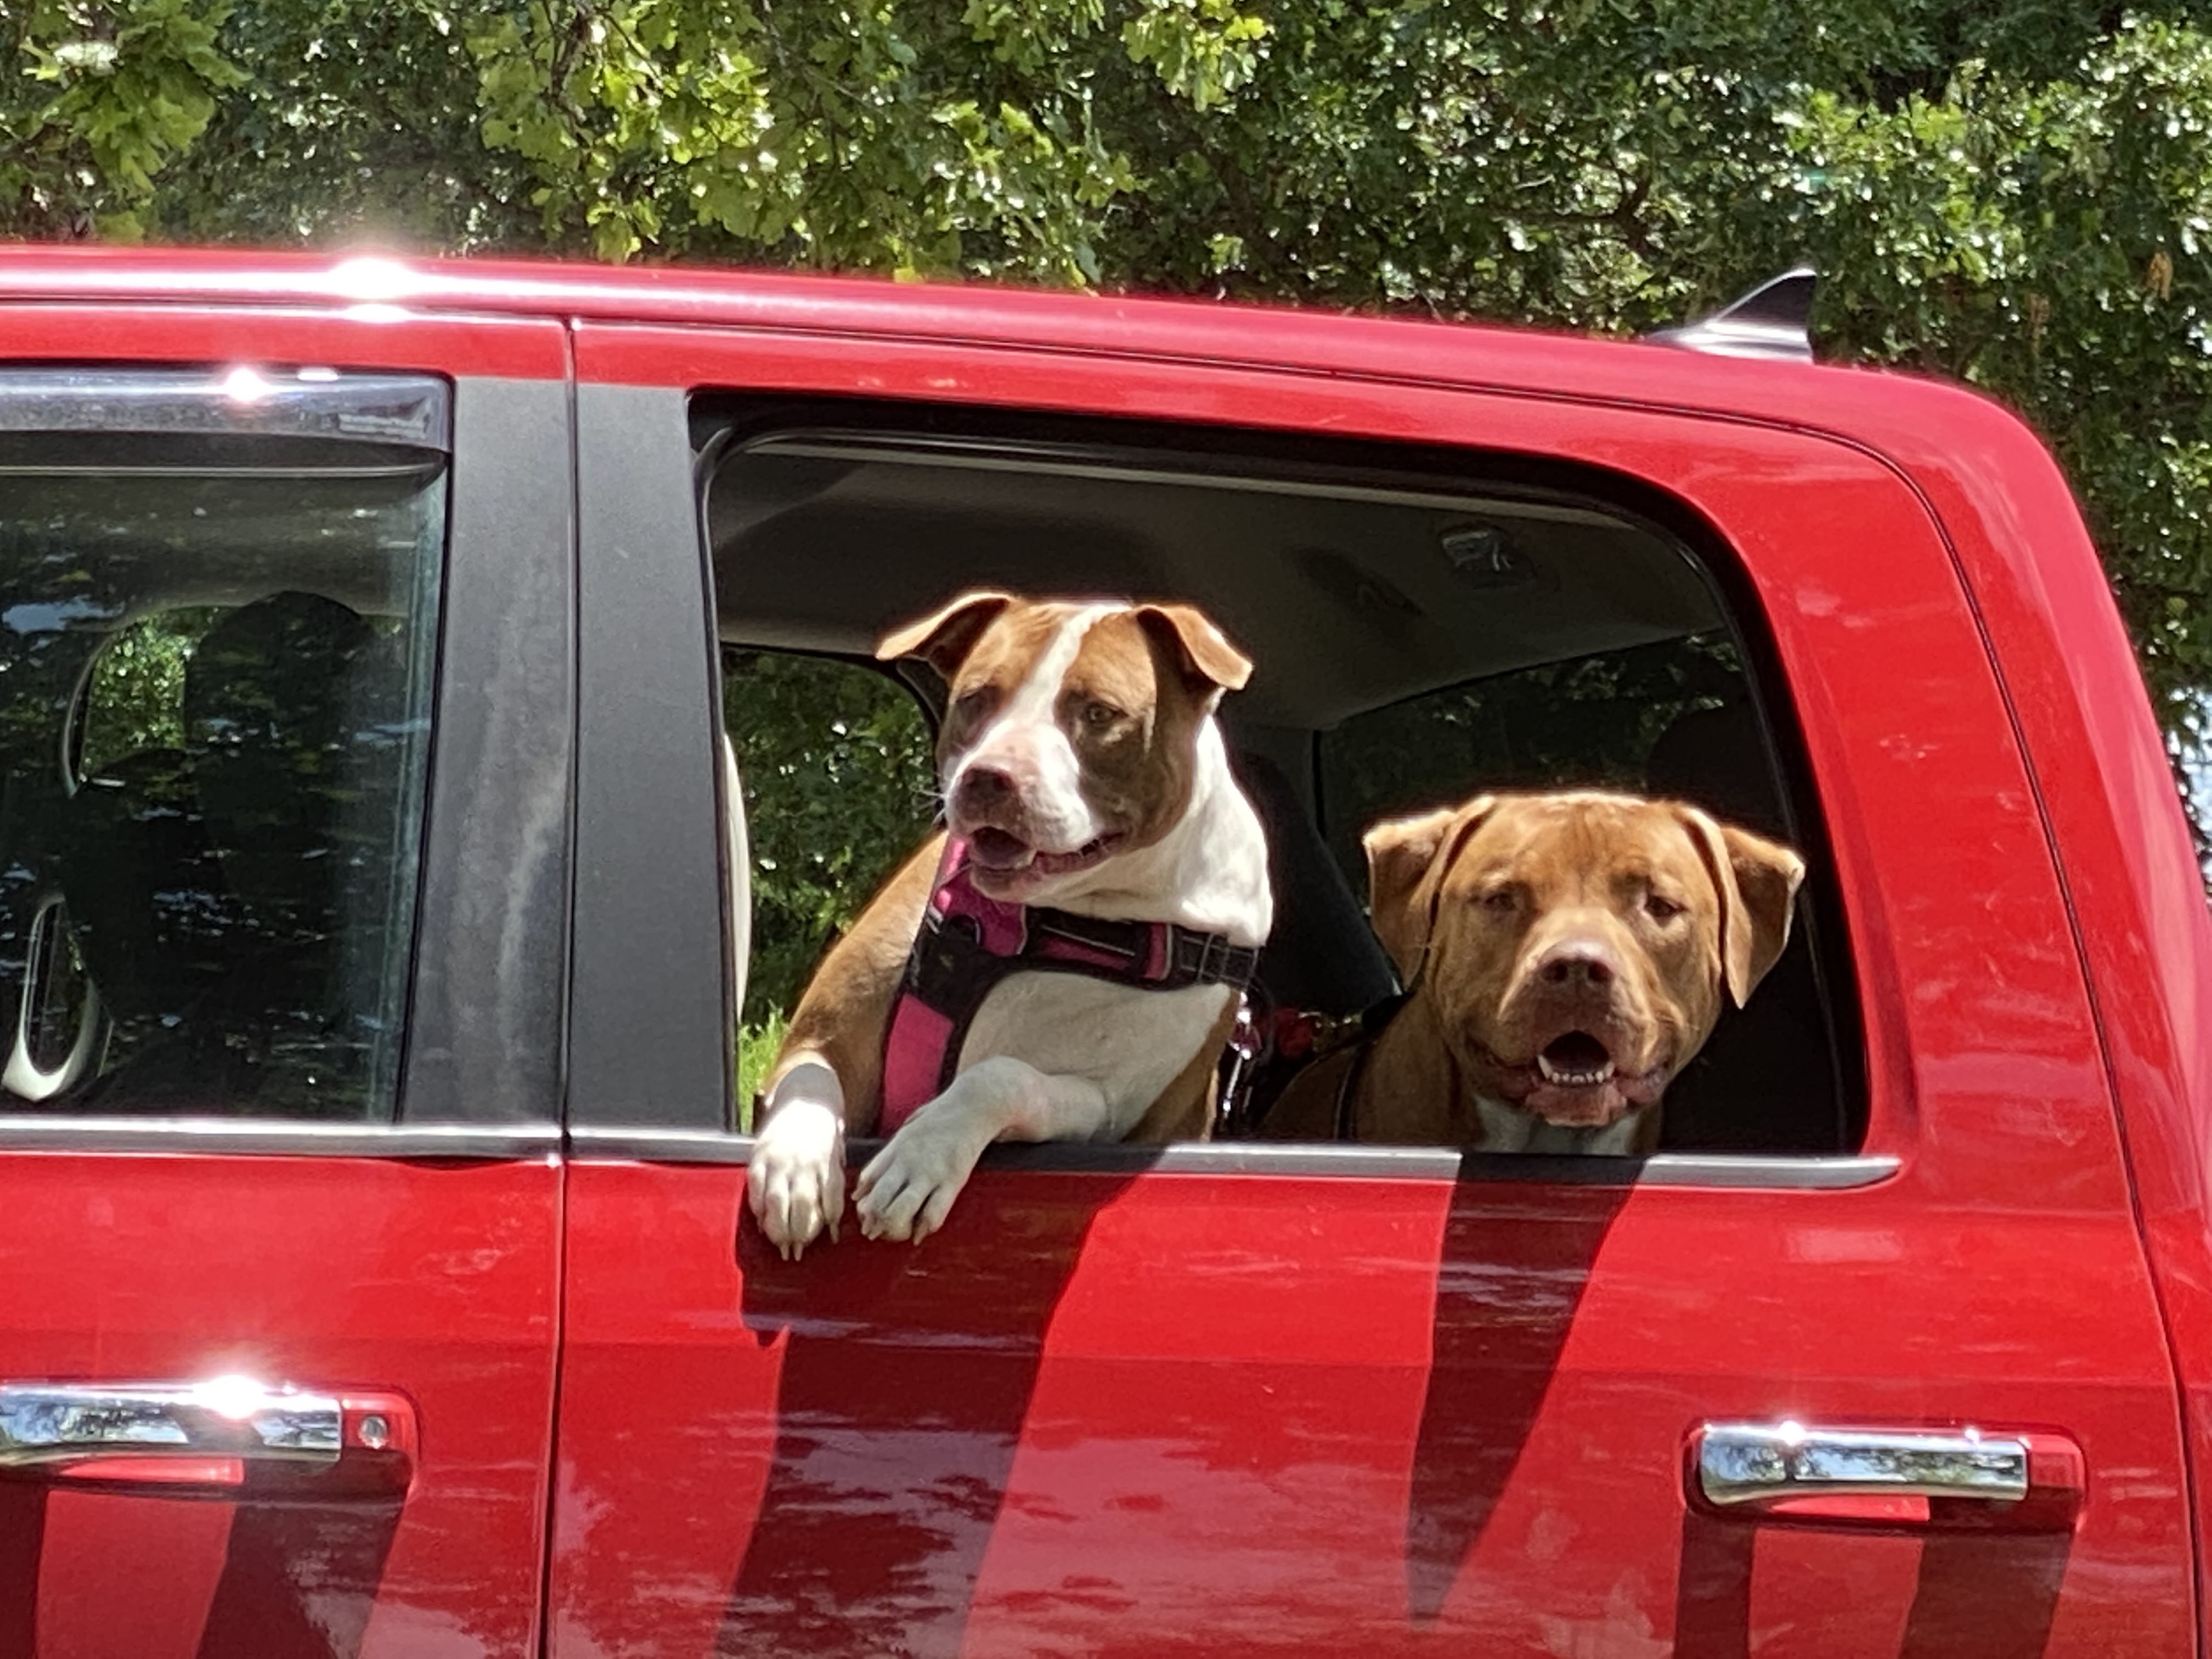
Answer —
(481, 1062)
(487, 1018)
(1758, 1171)
(270, 1136)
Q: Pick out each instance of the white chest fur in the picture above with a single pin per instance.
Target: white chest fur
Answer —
(1509, 1129)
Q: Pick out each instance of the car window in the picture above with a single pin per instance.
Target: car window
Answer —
(218, 611)
(834, 760)
(1421, 637)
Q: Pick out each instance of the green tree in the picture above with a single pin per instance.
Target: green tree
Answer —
(2014, 192)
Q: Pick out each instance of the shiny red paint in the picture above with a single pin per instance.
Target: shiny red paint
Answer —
(372, 1278)
(1262, 1413)
(421, 1291)
(1271, 1413)
(218, 334)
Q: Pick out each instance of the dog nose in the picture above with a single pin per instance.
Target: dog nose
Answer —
(1576, 963)
(982, 789)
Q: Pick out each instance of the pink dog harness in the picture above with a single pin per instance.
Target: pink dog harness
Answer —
(969, 942)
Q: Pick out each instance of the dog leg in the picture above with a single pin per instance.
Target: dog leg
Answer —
(833, 1055)
(795, 1180)
(908, 1187)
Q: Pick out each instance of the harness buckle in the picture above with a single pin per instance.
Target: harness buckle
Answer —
(1234, 1084)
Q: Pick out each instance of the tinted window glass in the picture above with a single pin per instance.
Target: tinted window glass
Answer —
(1655, 719)
(217, 624)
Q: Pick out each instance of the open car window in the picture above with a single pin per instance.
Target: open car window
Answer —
(1422, 632)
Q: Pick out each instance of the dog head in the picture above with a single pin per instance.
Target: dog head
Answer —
(1576, 947)
(1071, 731)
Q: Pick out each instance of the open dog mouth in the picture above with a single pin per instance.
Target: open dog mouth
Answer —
(1574, 1082)
(999, 853)
(1577, 1060)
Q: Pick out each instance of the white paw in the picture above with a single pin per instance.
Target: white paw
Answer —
(796, 1179)
(908, 1187)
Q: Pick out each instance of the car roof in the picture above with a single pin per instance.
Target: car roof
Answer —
(1965, 454)
(1473, 355)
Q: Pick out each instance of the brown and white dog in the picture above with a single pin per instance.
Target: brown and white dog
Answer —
(1565, 956)
(1082, 770)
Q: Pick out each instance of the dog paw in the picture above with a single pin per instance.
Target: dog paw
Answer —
(795, 1181)
(907, 1189)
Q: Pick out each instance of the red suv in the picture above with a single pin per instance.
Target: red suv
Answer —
(438, 728)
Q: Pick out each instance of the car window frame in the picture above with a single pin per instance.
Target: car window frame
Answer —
(635, 442)
(482, 1064)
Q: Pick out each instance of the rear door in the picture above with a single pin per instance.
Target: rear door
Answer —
(1904, 1393)
(284, 647)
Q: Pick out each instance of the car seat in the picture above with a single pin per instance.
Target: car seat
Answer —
(217, 890)
(1320, 956)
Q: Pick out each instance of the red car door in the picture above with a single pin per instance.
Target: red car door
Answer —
(284, 750)
(1907, 1396)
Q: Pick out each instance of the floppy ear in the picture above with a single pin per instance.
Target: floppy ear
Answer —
(1757, 882)
(943, 640)
(1407, 859)
(1205, 651)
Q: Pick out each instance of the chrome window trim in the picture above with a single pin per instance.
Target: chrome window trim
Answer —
(267, 1137)
(1748, 1171)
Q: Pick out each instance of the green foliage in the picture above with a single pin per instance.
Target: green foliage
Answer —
(906, 139)
(1587, 723)
(106, 97)
(350, 129)
(839, 787)
(759, 1041)
(137, 698)
(2017, 194)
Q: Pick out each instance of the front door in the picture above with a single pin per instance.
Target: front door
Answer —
(283, 659)
(1254, 1398)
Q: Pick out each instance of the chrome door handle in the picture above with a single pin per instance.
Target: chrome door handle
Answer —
(1752, 1462)
(229, 1432)
(1790, 1470)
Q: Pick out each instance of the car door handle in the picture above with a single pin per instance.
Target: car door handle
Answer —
(230, 1437)
(1959, 1479)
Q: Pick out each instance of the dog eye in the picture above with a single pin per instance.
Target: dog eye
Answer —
(1097, 714)
(974, 702)
(1500, 899)
(1660, 908)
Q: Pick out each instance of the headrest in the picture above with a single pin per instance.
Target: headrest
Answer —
(1717, 758)
(267, 727)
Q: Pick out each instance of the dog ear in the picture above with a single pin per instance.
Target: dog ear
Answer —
(944, 639)
(1757, 880)
(1407, 859)
(1206, 653)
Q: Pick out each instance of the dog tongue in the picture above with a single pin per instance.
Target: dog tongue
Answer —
(994, 849)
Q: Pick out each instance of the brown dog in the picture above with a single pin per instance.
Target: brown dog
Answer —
(1564, 957)
(1084, 937)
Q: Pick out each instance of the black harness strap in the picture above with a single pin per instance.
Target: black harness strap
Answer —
(951, 973)
(1372, 1024)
